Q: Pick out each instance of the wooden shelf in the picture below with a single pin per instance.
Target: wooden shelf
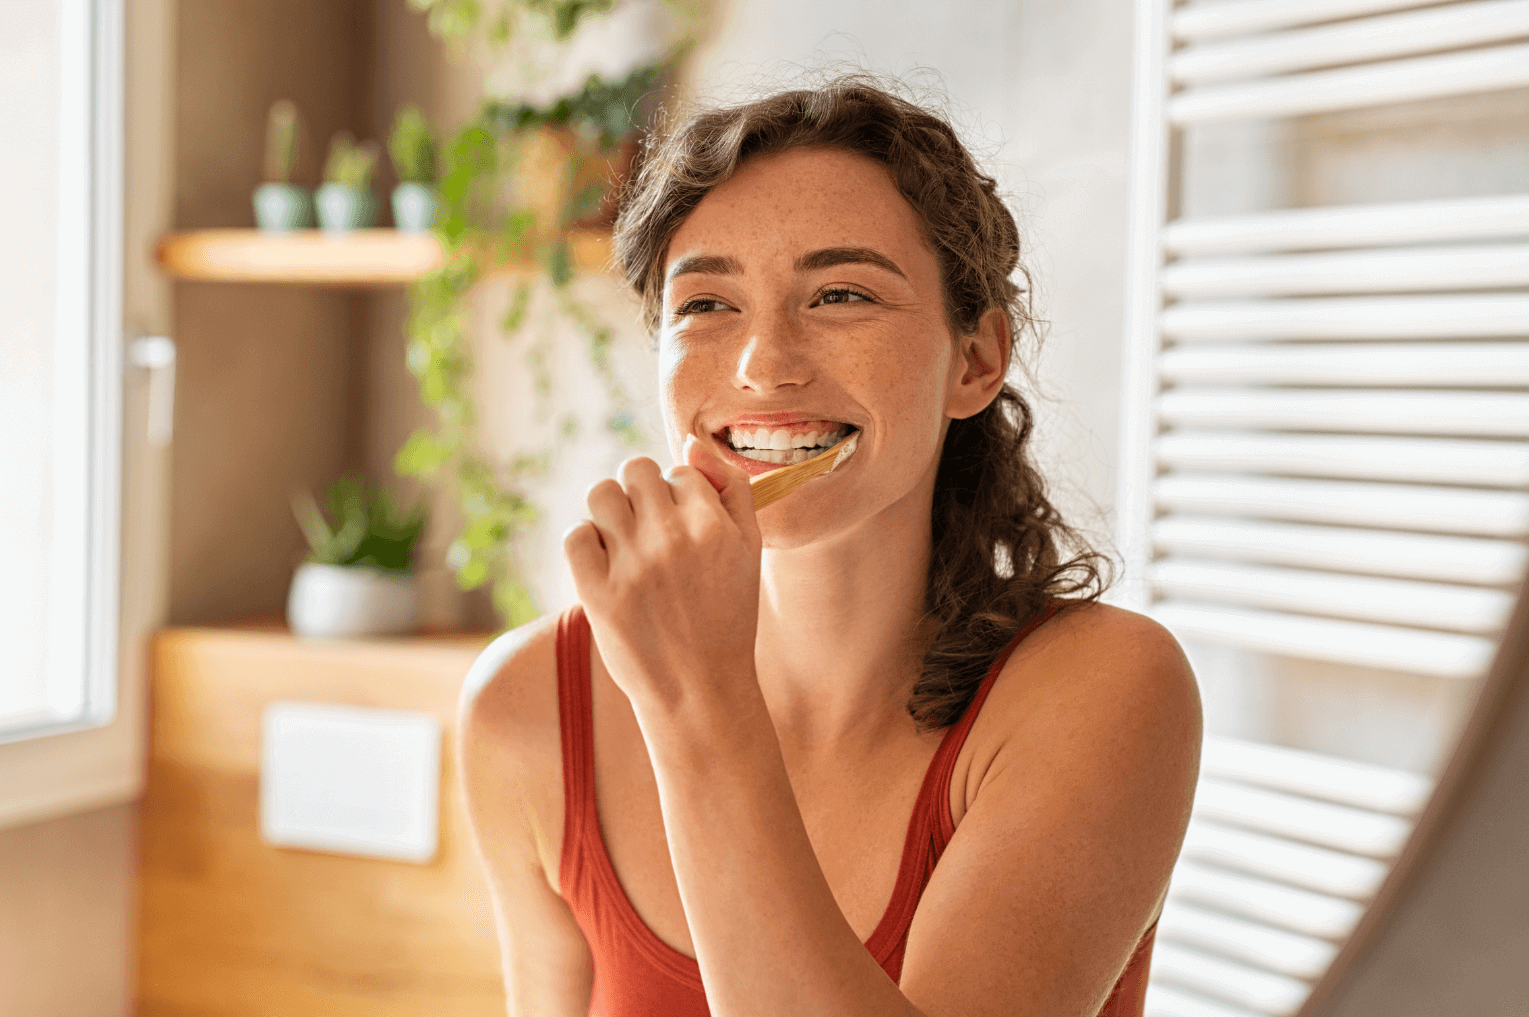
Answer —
(229, 924)
(372, 257)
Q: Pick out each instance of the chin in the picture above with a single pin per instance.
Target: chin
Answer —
(808, 517)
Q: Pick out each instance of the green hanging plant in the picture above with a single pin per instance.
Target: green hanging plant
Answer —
(476, 225)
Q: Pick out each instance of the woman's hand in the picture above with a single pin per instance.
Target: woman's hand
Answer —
(667, 569)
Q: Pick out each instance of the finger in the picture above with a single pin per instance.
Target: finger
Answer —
(734, 491)
(645, 485)
(611, 510)
(709, 466)
(690, 485)
(587, 557)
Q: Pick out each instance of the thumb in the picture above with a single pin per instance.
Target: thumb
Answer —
(731, 483)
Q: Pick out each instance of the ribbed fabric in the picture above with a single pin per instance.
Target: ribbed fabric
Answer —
(639, 975)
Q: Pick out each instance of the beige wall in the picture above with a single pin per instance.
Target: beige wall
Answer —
(268, 380)
(66, 915)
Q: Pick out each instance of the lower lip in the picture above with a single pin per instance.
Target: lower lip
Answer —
(753, 467)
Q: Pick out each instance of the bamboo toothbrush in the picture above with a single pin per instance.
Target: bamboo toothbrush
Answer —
(771, 487)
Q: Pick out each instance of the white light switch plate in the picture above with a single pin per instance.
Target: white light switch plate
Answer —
(351, 780)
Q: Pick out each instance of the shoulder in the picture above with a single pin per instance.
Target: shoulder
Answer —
(1096, 691)
(512, 682)
(1091, 655)
(510, 740)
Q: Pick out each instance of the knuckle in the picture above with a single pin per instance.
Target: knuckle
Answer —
(637, 466)
(602, 491)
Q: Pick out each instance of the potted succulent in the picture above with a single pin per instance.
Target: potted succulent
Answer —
(279, 203)
(359, 577)
(345, 201)
(412, 147)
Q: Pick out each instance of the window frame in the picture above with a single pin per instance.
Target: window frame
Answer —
(82, 687)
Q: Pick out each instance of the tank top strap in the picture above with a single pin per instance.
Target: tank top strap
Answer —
(930, 827)
(943, 768)
(575, 707)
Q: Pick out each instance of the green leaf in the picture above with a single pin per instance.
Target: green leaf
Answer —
(473, 574)
(422, 455)
(514, 602)
(519, 224)
(515, 317)
(558, 259)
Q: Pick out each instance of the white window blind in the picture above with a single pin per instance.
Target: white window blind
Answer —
(1326, 449)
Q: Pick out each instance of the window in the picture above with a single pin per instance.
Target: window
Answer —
(60, 368)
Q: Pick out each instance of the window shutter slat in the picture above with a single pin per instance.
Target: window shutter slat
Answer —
(1358, 457)
(1485, 414)
(1443, 317)
(1284, 907)
(1167, 1001)
(1363, 785)
(1261, 991)
(1304, 865)
(1490, 217)
(1374, 552)
(1390, 601)
(1464, 365)
(1210, 19)
(1391, 506)
(1285, 953)
(1408, 80)
(1385, 270)
(1379, 38)
(1443, 654)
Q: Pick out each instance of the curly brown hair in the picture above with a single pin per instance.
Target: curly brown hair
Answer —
(1000, 548)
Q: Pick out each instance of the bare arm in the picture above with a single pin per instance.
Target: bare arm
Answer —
(1056, 871)
(511, 769)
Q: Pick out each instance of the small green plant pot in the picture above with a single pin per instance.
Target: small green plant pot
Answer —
(342, 208)
(280, 207)
(415, 207)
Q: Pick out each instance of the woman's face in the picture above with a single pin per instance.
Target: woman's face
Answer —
(801, 302)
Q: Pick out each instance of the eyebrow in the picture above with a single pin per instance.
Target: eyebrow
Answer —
(706, 264)
(828, 257)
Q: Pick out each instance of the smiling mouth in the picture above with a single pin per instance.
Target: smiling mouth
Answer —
(780, 447)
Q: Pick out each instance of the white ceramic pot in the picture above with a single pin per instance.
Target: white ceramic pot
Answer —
(340, 601)
(415, 207)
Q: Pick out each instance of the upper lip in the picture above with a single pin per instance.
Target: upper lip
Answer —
(775, 420)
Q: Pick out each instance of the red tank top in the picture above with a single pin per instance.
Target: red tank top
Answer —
(639, 975)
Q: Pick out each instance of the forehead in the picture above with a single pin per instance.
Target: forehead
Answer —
(784, 203)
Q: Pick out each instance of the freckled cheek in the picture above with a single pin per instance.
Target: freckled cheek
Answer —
(904, 395)
(685, 378)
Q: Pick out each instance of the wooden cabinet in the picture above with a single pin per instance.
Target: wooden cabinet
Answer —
(230, 926)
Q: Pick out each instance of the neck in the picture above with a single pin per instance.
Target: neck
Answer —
(842, 631)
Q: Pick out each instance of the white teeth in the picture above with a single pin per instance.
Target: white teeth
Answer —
(784, 442)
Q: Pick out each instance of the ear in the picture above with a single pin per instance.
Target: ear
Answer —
(980, 366)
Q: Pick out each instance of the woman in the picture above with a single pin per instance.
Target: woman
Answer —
(706, 808)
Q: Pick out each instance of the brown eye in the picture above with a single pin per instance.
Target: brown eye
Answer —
(841, 295)
(700, 305)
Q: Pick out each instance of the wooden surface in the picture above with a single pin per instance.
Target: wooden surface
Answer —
(370, 257)
(232, 927)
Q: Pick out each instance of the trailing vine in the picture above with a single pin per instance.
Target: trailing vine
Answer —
(483, 220)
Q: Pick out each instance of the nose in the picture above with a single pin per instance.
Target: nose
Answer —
(773, 356)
